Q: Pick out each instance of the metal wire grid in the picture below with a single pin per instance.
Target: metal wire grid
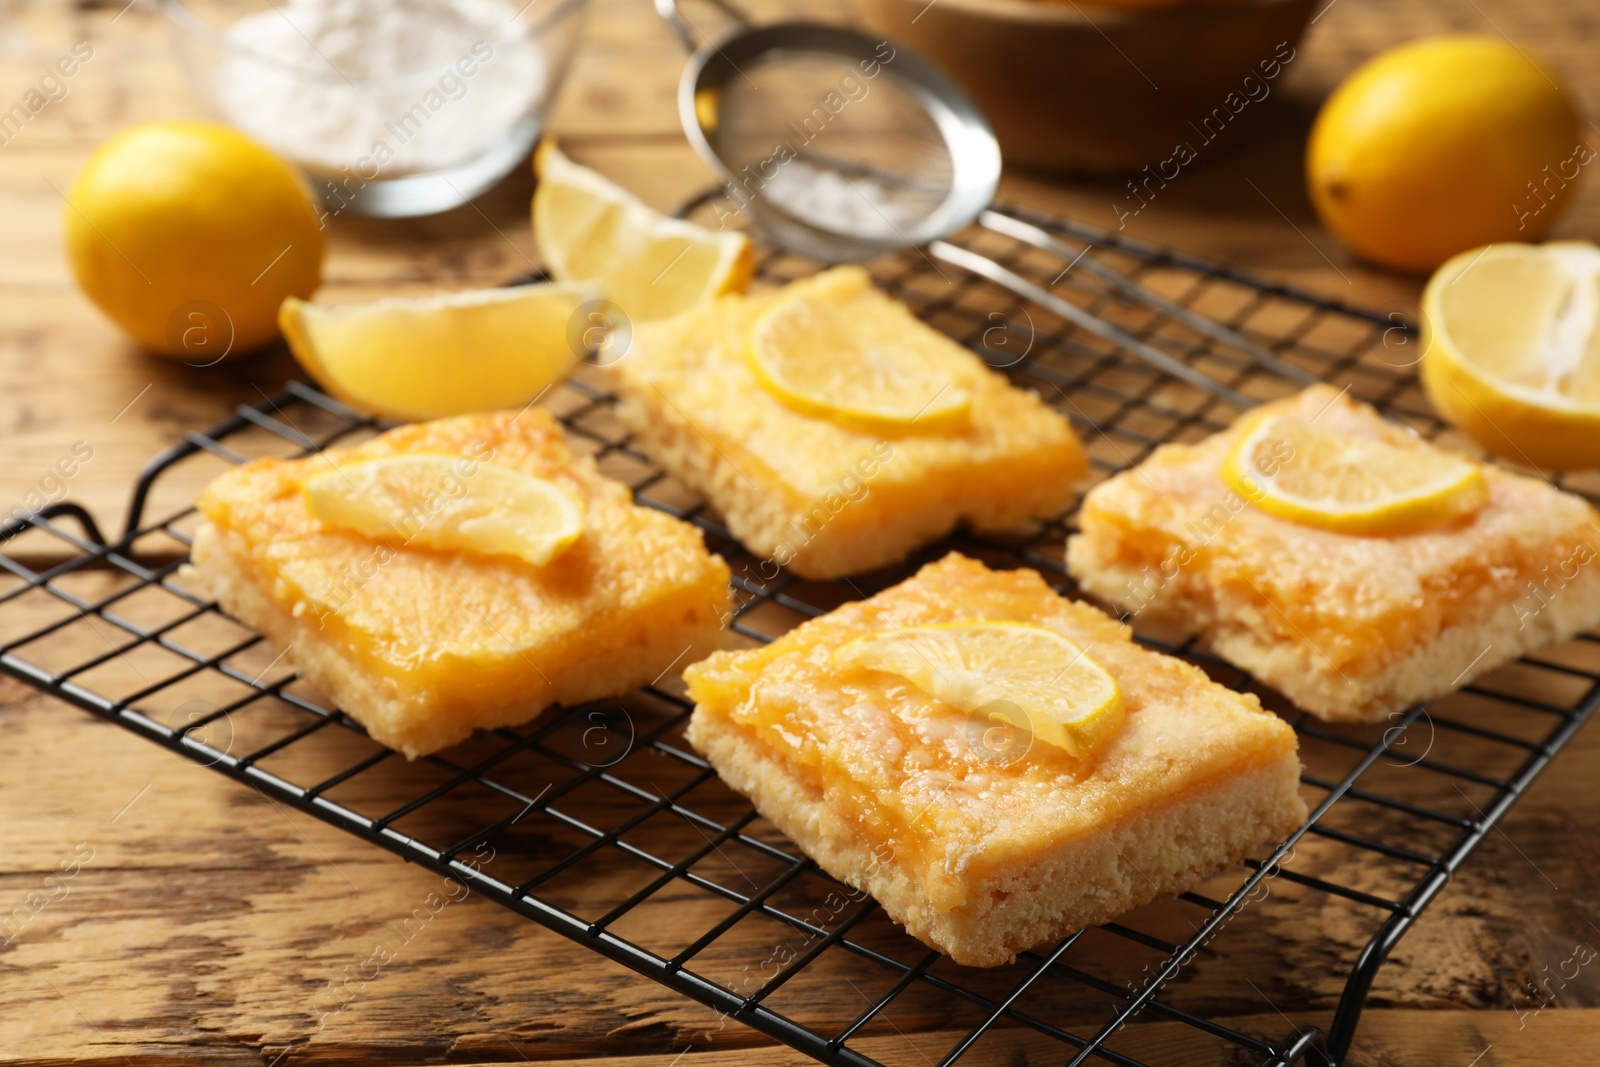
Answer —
(600, 823)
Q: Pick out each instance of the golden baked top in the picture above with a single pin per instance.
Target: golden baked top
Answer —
(1342, 592)
(939, 789)
(698, 364)
(412, 610)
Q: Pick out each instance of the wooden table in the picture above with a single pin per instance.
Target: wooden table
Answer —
(204, 921)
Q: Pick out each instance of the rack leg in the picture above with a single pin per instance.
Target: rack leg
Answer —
(1305, 1048)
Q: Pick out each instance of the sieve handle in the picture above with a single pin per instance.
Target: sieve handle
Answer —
(672, 14)
(1043, 239)
(1016, 283)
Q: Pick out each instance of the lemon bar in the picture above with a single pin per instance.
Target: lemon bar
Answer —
(977, 849)
(1349, 627)
(814, 490)
(423, 645)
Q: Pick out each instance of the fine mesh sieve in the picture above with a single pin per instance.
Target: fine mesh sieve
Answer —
(841, 147)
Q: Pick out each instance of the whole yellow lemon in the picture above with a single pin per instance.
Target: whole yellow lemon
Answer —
(1442, 145)
(188, 235)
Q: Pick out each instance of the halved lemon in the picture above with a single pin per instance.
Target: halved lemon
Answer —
(1290, 467)
(590, 229)
(986, 668)
(1511, 350)
(449, 354)
(820, 361)
(448, 502)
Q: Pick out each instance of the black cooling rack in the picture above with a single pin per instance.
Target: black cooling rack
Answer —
(600, 823)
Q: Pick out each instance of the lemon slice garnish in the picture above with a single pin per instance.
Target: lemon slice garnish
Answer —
(430, 357)
(1511, 351)
(588, 229)
(987, 668)
(817, 360)
(448, 502)
(1288, 466)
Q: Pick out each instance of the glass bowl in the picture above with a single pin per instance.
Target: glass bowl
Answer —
(393, 108)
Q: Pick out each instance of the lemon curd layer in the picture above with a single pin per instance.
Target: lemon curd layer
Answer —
(422, 644)
(1349, 626)
(926, 789)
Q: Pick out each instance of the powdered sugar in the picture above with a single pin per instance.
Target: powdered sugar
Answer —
(390, 86)
(828, 199)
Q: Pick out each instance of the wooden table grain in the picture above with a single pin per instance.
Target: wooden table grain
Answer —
(158, 913)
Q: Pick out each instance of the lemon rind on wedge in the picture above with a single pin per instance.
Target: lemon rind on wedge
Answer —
(1459, 490)
(1540, 426)
(977, 693)
(453, 353)
(629, 226)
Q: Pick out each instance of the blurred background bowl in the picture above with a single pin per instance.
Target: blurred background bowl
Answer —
(1099, 89)
(449, 127)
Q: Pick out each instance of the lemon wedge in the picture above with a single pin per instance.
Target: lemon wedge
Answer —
(449, 354)
(589, 229)
(1511, 350)
(856, 369)
(448, 502)
(986, 669)
(1288, 466)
